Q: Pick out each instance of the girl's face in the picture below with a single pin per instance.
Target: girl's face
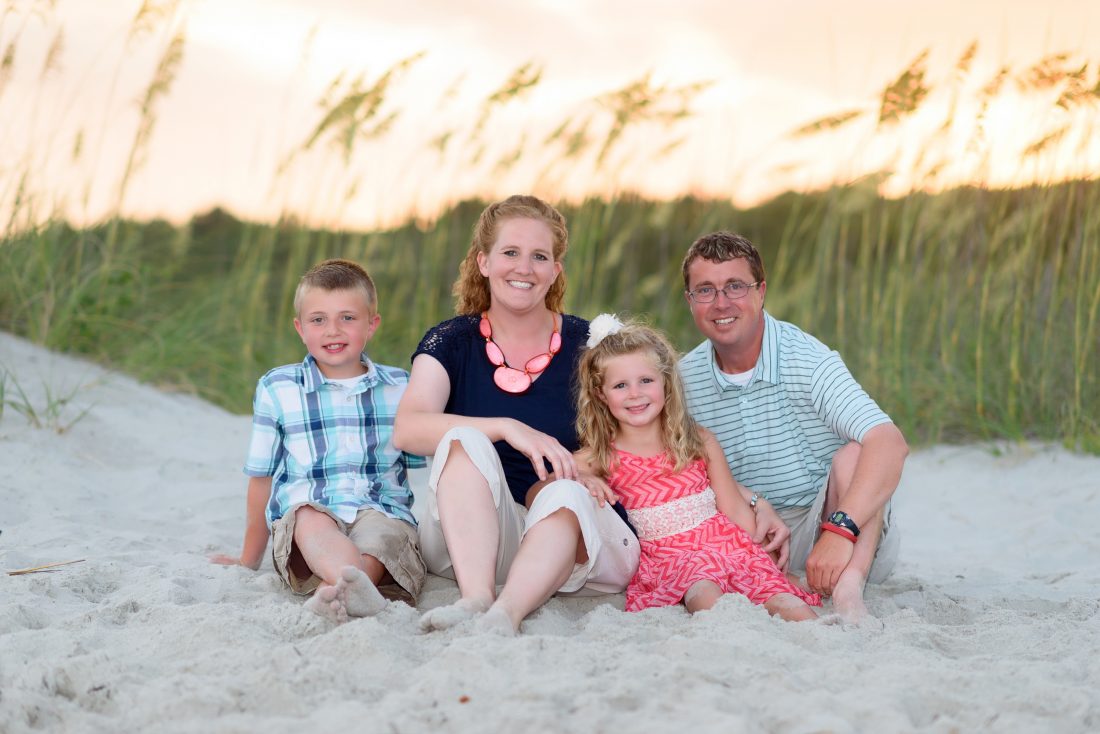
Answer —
(520, 266)
(634, 389)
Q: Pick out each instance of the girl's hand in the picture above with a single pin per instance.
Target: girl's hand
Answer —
(598, 488)
(772, 533)
(540, 448)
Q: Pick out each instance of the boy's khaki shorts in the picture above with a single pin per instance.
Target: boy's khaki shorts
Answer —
(393, 542)
(805, 525)
(613, 550)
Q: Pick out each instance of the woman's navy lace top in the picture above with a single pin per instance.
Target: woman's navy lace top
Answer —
(547, 406)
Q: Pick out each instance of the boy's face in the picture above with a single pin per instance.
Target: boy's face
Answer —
(335, 326)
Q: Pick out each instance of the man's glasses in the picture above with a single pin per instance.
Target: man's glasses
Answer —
(732, 291)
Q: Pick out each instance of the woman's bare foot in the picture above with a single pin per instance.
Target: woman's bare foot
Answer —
(442, 618)
(498, 622)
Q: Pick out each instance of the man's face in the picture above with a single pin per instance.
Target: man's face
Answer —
(734, 326)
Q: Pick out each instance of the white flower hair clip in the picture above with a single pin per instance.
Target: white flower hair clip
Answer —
(602, 327)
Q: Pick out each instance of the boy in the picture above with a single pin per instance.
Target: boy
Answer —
(322, 459)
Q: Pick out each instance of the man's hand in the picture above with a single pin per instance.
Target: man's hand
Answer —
(772, 533)
(829, 557)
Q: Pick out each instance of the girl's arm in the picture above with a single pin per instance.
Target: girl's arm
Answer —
(586, 475)
(728, 492)
(421, 423)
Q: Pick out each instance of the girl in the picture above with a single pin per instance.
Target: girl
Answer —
(691, 515)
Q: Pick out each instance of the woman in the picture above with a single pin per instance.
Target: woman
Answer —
(490, 397)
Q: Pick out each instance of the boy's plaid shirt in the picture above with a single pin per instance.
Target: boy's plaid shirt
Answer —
(332, 446)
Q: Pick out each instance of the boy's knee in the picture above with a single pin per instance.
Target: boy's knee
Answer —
(308, 519)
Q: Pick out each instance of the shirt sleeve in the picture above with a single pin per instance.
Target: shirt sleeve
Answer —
(413, 461)
(841, 402)
(438, 342)
(265, 447)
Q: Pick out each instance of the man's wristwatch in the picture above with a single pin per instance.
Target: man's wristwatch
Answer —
(841, 520)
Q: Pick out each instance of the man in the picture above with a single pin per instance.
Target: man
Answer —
(795, 426)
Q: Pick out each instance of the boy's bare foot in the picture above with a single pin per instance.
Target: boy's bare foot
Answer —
(497, 621)
(442, 618)
(361, 596)
(329, 602)
(848, 599)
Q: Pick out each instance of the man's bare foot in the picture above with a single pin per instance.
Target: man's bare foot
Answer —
(361, 596)
(442, 618)
(848, 598)
(497, 621)
(329, 602)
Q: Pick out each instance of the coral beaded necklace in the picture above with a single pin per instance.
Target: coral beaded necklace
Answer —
(510, 379)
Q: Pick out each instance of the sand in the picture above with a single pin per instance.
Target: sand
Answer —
(991, 620)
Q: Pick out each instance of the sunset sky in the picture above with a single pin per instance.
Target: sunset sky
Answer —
(726, 85)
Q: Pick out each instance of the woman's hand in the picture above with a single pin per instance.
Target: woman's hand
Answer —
(540, 448)
(774, 531)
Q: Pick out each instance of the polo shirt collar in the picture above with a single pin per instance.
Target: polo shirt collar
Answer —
(767, 364)
(313, 379)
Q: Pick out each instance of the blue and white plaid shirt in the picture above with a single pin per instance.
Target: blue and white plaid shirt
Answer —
(324, 443)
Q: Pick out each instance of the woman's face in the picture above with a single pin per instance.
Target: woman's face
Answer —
(520, 266)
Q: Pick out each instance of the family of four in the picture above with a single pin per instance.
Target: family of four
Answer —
(568, 457)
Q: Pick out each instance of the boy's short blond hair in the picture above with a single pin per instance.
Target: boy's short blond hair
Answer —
(337, 275)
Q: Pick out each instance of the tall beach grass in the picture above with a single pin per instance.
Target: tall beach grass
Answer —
(969, 314)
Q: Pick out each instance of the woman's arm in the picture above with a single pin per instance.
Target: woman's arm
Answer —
(597, 486)
(421, 423)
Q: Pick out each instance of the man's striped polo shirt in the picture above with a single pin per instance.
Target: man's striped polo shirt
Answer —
(780, 431)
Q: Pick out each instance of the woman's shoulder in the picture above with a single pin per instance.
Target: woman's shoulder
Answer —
(574, 329)
(572, 322)
(446, 334)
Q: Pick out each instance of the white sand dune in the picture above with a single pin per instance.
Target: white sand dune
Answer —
(991, 621)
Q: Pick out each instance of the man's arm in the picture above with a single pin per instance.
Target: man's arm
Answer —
(874, 480)
(877, 473)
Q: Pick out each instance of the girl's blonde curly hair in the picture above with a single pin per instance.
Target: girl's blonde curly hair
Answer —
(597, 428)
(471, 289)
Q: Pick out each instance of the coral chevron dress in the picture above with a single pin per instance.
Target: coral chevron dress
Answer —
(685, 539)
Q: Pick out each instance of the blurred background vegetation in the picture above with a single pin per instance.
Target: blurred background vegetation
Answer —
(969, 314)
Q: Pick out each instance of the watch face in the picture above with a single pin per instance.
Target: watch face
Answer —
(841, 519)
